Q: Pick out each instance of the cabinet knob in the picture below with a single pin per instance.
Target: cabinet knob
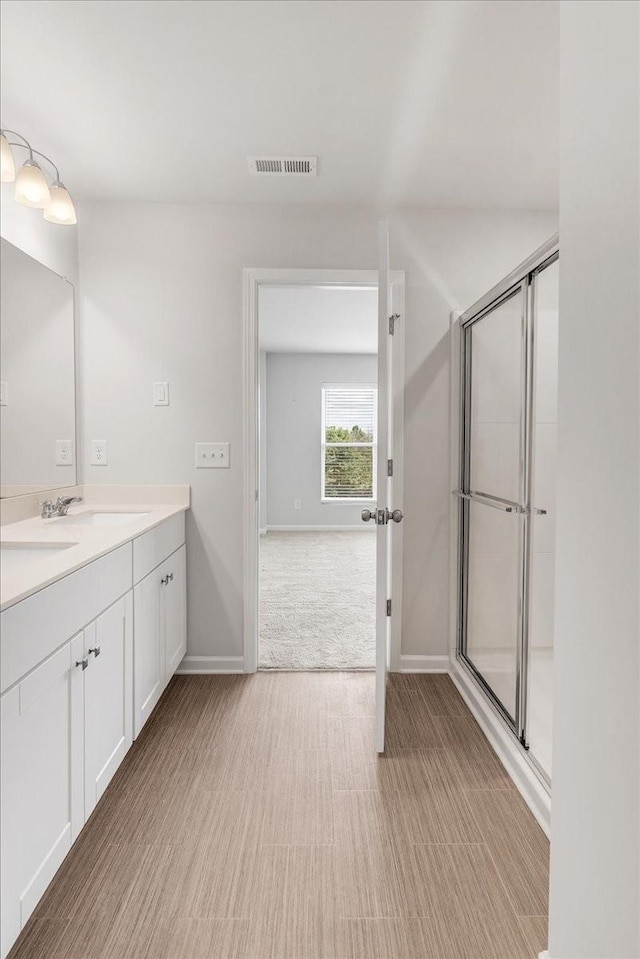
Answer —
(95, 651)
(171, 576)
(82, 662)
(164, 580)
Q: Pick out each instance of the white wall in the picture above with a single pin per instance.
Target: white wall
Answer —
(294, 462)
(161, 298)
(595, 830)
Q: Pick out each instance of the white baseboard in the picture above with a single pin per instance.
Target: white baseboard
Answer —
(423, 664)
(320, 529)
(533, 791)
(211, 664)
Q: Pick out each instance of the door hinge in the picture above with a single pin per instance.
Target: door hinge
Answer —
(389, 467)
(392, 322)
(388, 607)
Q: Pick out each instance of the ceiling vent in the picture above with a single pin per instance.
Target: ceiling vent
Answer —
(283, 166)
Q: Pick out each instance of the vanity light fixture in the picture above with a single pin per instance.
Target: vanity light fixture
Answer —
(32, 188)
(7, 166)
(60, 208)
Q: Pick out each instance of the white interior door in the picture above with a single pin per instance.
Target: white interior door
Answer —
(387, 515)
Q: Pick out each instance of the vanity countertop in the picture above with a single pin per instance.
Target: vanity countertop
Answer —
(89, 542)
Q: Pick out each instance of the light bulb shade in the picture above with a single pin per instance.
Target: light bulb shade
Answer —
(31, 187)
(7, 165)
(60, 208)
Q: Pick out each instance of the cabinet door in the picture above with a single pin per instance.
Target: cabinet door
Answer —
(107, 697)
(41, 773)
(148, 647)
(174, 597)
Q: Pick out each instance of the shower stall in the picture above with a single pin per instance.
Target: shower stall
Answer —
(506, 498)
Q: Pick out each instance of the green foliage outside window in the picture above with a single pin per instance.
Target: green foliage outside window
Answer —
(348, 469)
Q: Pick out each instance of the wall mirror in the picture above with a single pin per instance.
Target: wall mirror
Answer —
(37, 376)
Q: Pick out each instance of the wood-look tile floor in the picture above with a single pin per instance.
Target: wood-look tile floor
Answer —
(252, 819)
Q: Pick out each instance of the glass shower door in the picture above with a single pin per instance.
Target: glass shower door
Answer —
(492, 493)
(544, 425)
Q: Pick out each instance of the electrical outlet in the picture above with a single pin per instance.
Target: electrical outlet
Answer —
(211, 456)
(161, 394)
(297, 504)
(98, 452)
(64, 452)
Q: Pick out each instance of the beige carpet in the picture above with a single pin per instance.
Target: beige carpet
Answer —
(317, 600)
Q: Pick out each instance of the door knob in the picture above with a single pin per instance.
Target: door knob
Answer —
(368, 514)
(396, 515)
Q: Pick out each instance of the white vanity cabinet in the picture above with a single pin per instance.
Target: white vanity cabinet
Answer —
(82, 663)
(160, 623)
(108, 706)
(174, 611)
(66, 721)
(65, 729)
(148, 654)
(42, 788)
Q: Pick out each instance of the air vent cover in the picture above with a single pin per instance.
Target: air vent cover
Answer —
(283, 166)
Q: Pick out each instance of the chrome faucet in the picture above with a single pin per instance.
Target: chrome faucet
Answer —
(59, 508)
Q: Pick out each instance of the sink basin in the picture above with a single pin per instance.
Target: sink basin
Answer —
(17, 557)
(100, 519)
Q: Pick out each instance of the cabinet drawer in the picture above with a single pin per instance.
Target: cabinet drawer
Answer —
(31, 630)
(150, 549)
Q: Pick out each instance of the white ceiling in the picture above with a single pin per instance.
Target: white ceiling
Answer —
(316, 319)
(406, 102)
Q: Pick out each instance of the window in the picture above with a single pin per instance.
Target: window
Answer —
(349, 442)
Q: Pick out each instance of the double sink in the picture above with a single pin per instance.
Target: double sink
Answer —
(16, 557)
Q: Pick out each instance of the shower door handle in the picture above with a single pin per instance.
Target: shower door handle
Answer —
(495, 502)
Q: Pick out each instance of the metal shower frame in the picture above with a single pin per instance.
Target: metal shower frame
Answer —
(520, 282)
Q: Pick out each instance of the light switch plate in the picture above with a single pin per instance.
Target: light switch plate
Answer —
(4, 393)
(211, 456)
(99, 453)
(161, 394)
(64, 452)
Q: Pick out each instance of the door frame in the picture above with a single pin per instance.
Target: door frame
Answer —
(253, 279)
